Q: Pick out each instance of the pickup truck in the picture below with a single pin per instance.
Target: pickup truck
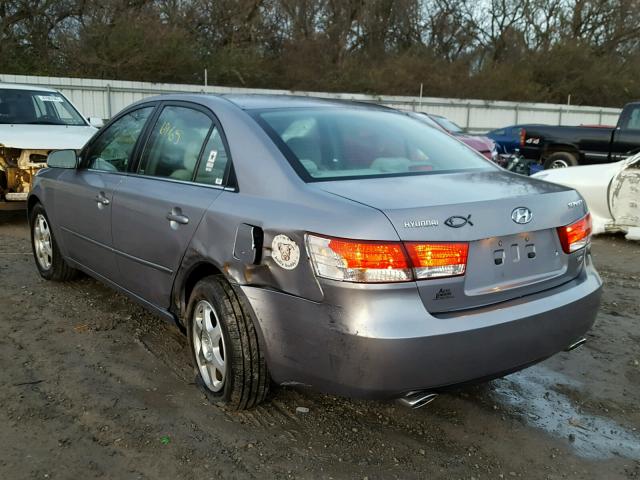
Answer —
(559, 147)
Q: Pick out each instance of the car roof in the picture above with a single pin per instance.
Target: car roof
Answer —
(16, 86)
(268, 101)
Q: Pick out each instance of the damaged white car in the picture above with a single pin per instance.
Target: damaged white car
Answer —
(33, 121)
(612, 192)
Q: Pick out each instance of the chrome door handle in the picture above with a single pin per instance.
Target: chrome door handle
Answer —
(177, 218)
(102, 199)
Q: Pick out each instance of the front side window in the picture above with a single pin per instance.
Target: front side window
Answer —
(175, 143)
(33, 107)
(338, 143)
(113, 149)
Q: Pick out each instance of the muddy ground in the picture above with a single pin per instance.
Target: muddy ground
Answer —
(92, 386)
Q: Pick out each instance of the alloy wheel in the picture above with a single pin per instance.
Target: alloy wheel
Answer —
(42, 242)
(208, 345)
(559, 164)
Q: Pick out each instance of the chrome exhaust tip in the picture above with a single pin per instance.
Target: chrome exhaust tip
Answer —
(575, 345)
(417, 399)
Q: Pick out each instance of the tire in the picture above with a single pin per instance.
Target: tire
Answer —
(560, 160)
(49, 261)
(229, 364)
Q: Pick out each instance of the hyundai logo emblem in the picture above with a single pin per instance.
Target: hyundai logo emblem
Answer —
(521, 215)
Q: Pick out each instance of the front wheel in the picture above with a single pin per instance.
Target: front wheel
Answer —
(50, 262)
(228, 359)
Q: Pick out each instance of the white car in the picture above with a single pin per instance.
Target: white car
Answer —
(611, 190)
(33, 121)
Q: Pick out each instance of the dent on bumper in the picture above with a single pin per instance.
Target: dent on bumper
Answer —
(381, 342)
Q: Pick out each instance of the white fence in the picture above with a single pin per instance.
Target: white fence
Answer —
(104, 98)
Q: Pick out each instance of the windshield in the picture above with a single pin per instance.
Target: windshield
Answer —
(33, 107)
(447, 124)
(343, 143)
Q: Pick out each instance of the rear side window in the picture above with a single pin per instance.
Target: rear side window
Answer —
(342, 143)
(175, 143)
(633, 121)
(213, 165)
(112, 150)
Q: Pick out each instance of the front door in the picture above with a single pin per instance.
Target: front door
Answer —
(157, 210)
(84, 201)
(626, 137)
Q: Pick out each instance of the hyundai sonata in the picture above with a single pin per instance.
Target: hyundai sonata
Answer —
(340, 246)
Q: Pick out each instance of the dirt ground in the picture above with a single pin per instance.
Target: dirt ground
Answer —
(92, 386)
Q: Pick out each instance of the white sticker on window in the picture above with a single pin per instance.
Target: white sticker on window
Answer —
(211, 161)
(50, 98)
(218, 181)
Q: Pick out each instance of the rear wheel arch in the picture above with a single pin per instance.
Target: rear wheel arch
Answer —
(189, 278)
(552, 148)
(185, 282)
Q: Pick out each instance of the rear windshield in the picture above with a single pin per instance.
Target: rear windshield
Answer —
(33, 107)
(346, 143)
(447, 124)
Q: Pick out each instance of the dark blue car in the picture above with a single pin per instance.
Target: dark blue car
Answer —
(508, 138)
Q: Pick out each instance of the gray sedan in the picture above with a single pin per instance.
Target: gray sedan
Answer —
(344, 247)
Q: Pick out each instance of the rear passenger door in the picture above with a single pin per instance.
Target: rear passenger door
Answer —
(157, 209)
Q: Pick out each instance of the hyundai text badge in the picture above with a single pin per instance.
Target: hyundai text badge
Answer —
(521, 215)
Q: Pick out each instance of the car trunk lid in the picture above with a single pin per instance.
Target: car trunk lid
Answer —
(506, 259)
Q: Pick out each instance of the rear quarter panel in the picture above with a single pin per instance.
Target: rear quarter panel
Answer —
(320, 213)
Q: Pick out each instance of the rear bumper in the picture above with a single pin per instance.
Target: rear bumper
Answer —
(380, 342)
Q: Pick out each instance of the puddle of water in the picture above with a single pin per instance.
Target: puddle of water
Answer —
(533, 395)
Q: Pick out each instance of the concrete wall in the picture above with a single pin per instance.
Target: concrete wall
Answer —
(104, 98)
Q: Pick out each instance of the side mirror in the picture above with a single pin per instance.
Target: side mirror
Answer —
(62, 159)
(96, 122)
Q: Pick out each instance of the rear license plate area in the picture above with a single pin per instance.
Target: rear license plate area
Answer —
(513, 261)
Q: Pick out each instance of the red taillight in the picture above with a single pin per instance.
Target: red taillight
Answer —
(577, 235)
(523, 136)
(378, 255)
(432, 260)
(359, 261)
(370, 262)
